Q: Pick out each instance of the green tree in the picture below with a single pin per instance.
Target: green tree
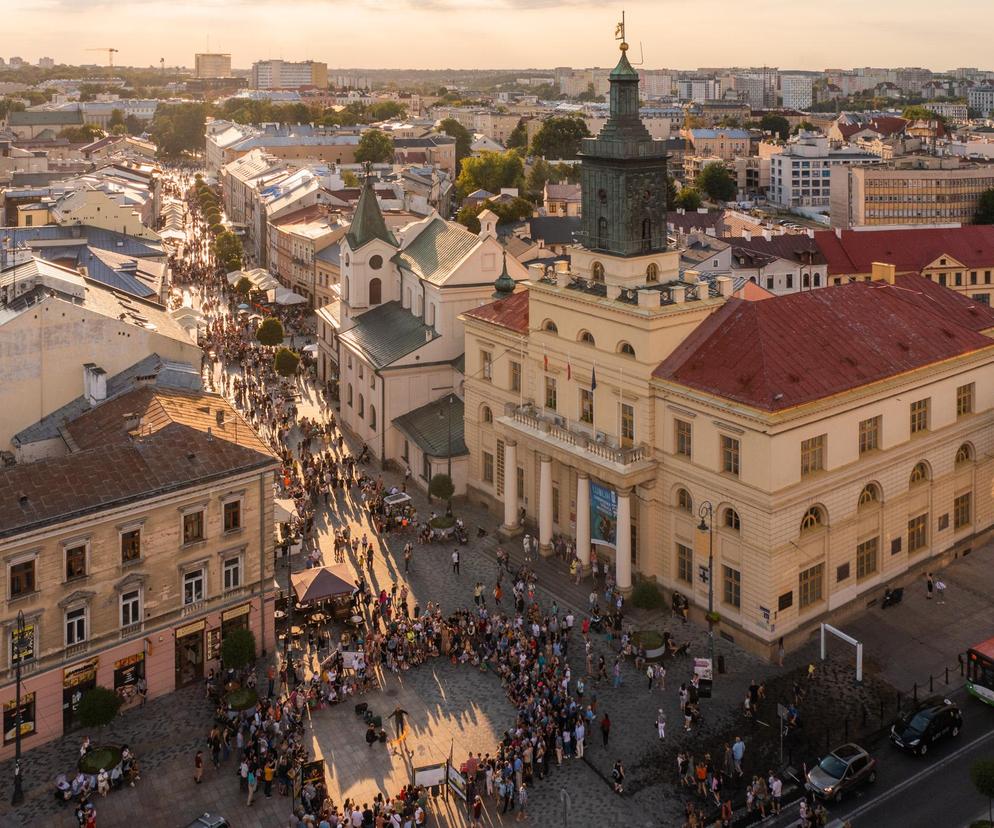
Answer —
(688, 199)
(464, 141)
(243, 287)
(387, 110)
(82, 134)
(238, 649)
(917, 112)
(375, 146)
(985, 208)
(518, 136)
(538, 177)
(98, 707)
(559, 137)
(670, 193)
(776, 124)
(570, 173)
(178, 128)
(490, 171)
(506, 212)
(286, 362)
(982, 774)
(441, 486)
(716, 181)
(116, 118)
(270, 332)
(806, 126)
(350, 179)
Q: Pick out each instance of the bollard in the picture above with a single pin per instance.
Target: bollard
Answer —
(947, 675)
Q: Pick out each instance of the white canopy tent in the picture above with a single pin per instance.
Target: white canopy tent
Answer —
(282, 296)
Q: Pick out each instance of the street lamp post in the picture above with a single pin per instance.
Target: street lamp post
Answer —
(450, 438)
(708, 526)
(18, 646)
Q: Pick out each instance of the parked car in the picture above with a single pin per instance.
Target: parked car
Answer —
(918, 729)
(209, 821)
(843, 769)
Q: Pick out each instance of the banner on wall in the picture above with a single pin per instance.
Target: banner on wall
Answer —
(603, 515)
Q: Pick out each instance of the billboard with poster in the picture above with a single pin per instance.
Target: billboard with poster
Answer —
(603, 515)
(457, 782)
(127, 672)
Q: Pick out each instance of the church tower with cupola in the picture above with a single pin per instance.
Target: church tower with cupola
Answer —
(623, 178)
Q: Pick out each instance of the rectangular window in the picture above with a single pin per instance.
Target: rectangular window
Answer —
(131, 545)
(809, 586)
(555, 505)
(730, 455)
(869, 435)
(785, 601)
(21, 577)
(76, 562)
(487, 365)
(76, 626)
(551, 401)
(684, 438)
(684, 563)
(813, 454)
(521, 483)
(732, 586)
(867, 554)
(961, 510)
(407, 451)
(130, 608)
(193, 527)
(842, 572)
(918, 532)
(193, 586)
(515, 376)
(499, 471)
(627, 425)
(586, 406)
(964, 400)
(919, 416)
(488, 467)
(232, 515)
(232, 573)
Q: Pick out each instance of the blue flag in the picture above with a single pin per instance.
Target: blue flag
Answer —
(593, 378)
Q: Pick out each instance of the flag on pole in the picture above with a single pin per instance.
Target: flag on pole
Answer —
(569, 369)
(593, 378)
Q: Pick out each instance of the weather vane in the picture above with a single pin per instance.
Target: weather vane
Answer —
(619, 33)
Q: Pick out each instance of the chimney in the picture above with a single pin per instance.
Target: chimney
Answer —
(691, 277)
(536, 271)
(725, 285)
(838, 232)
(811, 232)
(94, 383)
(767, 235)
(710, 231)
(747, 235)
(883, 272)
(132, 421)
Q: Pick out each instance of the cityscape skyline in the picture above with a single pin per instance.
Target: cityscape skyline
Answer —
(437, 39)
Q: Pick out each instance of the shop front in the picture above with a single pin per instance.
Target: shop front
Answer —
(76, 682)
(236, 618)
(190, 652)
(127, 673)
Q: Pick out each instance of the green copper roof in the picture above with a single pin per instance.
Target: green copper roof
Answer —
(368, 223)
(624, 69)
(504, 286)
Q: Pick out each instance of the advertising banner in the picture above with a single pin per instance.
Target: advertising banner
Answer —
(603, 515)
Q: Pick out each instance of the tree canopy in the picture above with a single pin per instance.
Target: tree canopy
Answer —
(716, 181)
(985, 208)
(387, 110)
(286, 362)
(982, 775)
(441, 486)
(98, 707)
(375, 146)
(464, 141)
(518, 136)
(238, 648)
(507, 213)
(178, 128)
(559, 137)
(688, 199)
(82, 134)
(776, 124)
(270, 332)
(918, 112)
(490, 171)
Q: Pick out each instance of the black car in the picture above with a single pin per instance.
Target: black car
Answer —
(930, 720)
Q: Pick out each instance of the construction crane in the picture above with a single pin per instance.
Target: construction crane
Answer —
(110, 54)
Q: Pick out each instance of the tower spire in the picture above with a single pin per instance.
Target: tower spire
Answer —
(504, 286)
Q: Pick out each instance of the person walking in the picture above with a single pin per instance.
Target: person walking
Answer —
(929, 586)
(579, 733)
(408, 554)
(940, 590)
(253, 782)
(198, 766)
(605, 728)
(455, 561)
(738, 751)
(522, 803)
(661, 724)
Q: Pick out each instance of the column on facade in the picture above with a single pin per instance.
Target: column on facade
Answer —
(545, 506)
(583, 519)
(623, 548)
(510, 485)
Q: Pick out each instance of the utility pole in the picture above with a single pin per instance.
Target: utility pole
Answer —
(708, 526)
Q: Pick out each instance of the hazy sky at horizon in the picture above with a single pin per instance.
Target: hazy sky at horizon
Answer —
(436, 34)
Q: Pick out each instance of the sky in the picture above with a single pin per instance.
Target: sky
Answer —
(470, 34)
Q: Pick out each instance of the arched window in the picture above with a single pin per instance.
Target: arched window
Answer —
(597, 272)
(731, 520)
(869, 496)
(586, 338)
(348, 394)
(487, 415)
(964, 454)
(626, 349)
(813, 519)
(684, 501)
(550, 327)
(362, 407)
(652, 272)
(646, 233)
(375, 291)
(372, 417)
(602, 232)
(919, 474)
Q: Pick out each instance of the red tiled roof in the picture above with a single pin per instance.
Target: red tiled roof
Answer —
(694, 220)
(796, 349)
(794, 247)
(908, 250)
(751, 292)
(510, 313)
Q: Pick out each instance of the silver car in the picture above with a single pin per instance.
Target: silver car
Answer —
(843, 769)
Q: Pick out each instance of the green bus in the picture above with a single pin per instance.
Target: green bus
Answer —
(980, 671)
